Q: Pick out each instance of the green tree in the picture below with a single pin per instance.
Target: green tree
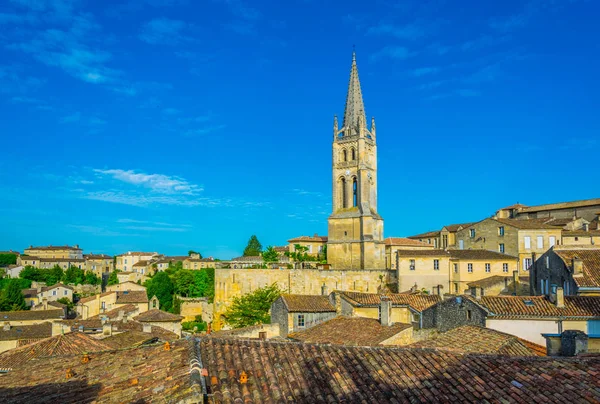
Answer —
(12, 298)
(184, 282)
(66, 302)
(74, 275)
(322, 256)
(270, 255)
(300, 254)
(91, 278)
(162, 286)
(252, 308)
(8, 259)
(190, 252)
(53, 275)
(204, 284)
(254, 248)
(31, 273)
(112, 278)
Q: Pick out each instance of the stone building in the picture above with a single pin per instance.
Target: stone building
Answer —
(520, 238)
(54, 251)
(355, 235)
(575, 269)
(314, 244)
(393, 244)
(298, 312)
(99, 263)
(587, 209)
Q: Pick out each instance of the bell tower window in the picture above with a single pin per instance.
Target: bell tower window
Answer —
(343, 192)
(344, 155)
(354, 192)
(353, 153)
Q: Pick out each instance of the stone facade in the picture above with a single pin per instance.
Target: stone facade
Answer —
(196, 306)
(65, 252)
(355, 235)
(453, 312)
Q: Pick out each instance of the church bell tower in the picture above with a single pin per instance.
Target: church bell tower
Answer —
(355, 239)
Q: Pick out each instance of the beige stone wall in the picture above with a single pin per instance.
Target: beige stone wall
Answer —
(236, 282)
(424, 275)
(174, 327)
(314, 246)
(399, 314)
(568, 240)
(56, 293)
(404, 337)
(192, 307)
(463, 276)
(55, 253)
(6, 345)
(390, 253)
(532, 330)
(124, 286)
(487, 237)
(99, 266)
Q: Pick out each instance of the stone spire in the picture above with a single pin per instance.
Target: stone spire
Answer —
(355, 108)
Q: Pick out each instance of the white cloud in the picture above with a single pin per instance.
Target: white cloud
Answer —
(158, 183)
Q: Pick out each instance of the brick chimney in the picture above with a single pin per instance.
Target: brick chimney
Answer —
(560, 298)
(6, 326)
(386, 311)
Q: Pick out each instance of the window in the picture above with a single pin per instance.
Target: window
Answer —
(300, 320)
(488, 267)
(455, 268)
(93, 267)
(501, 248)
(65, 293)
(125, 260)
(355, 192)
(344, 155)
(412, 265)
(379, 312)
(444, 241)
(436, 265)
(540, 241)
(551, 241)
(353, 154)
(526, 263)
(455, 287)
(103, 305)
(586, 227)
(547, 262)
(470, 268)
(472, 233)
(527, 241)
(343, 193)
(461, 244)
(501, 231)
(469, 315)
(54, 293)
(505, 267)
(309, 248)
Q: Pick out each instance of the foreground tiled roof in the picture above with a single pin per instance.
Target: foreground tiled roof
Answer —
(307, 373)
(540, 306)
(405, 241)
(473, 339)
(130, 339)
(95, 325)
(418, 302)
(349, 331)
(29, 332)
(590, 259)
(23, 315)
(132, 296)
(69, 344)
(156, 315)
(562, 205)
(307, 303)
(140, 375)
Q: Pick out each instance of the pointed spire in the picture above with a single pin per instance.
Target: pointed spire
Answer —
(354, 103)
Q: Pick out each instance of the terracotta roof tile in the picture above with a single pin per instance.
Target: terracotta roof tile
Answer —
(69, 344)
(309, 373)
(31, 315)
(156, 315)
(590, 259)
(34, 331)
(527, 224)
(115, 313)
(434, 233)
(480, 255)
(539, 306)
(130, 339)
(95, 325)
(307, 303)
(56, 285)
(494, 280)
(418, 302)
(473, 339)
(349, 331)
(132, 296)
(53, 247)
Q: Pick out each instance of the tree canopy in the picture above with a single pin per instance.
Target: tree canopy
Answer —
(190, 252)
(7, 259)
(53, 275)
(270, 255)
(254, 248)
(113, 279)
(11, 297)
(252, 308)
(161, 286)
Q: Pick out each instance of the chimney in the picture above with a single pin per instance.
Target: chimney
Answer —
(125, 318)
(338, 303)
(324, 290)
(478, 292)
(386, 311)
(573, 342)
(262, 335)
(440, 289)
(147, 328)
(560, 298)
(45, 303)
(577, 265)
(120, 315)
(107, 329)
(6, 326)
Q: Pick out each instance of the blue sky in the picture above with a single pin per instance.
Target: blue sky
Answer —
(171, 125)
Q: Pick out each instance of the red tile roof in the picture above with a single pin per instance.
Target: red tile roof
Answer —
(527, 224)
(405, 241)
(418, 302)
(156, 315)
(473, 339)
(132, 296)
(590, 258)
(540, 307)
(349, 331)
(307, 373)
(307, 303)
(73, 343)
(429, 234)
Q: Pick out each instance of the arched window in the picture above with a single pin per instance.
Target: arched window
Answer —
(343, 192)
(354, 192)
(353, 154)
(344, 155)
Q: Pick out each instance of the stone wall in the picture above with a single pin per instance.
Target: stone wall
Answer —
(192, 307)
(453, 312)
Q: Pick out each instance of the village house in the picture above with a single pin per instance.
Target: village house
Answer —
(125, 286)
(159, 318)
(36, 295)
(393, 244)
(198, 263)
(298, 312)
(587, 209)
(100, 303)
(314, 244)
(99, 264)
(431, 237)
(495, 285)
(65, 252)
(125, 262)
(575, 269)
(23, 326)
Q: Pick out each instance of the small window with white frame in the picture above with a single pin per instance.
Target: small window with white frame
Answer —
(488, 267)
(469, 268)
(412, 265)
(501, 231)
(436, 265)
(501, 247)
(505, 267)
(455, 268)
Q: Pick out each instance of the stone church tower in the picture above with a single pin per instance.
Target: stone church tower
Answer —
(355, 239)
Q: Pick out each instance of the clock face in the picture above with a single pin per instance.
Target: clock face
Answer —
(347, 172)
